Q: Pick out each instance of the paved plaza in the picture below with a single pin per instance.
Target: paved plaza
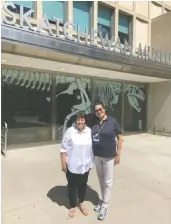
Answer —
(34, 187)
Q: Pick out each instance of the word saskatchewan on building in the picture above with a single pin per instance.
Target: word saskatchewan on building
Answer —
(91, 37)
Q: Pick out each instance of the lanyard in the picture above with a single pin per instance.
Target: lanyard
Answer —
(99, 130)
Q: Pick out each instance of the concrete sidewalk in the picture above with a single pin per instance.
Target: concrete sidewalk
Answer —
(34, 188)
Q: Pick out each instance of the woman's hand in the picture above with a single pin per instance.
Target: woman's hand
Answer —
(64, 167)
(116, 160)
(63, 162)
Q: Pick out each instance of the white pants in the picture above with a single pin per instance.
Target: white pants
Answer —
(104, 168)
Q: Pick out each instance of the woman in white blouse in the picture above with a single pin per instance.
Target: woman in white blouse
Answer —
(77, 160)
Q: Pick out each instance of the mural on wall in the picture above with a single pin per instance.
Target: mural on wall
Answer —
(84, 105)
(134, 93)
(106, 92)
(27, 79)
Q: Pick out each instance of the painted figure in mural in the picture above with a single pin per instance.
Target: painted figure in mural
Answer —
(134, 93)
(108, 93)
(70, 90)
(84, 105)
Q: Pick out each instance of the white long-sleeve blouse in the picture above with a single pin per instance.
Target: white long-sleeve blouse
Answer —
(78, 148)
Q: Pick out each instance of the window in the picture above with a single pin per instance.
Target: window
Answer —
(81, 14)
(26, 4)
(54, 8)
(72, 95)
(25, 107)
(104, 20)
(123, 28)
(109, 93)
(134, 106)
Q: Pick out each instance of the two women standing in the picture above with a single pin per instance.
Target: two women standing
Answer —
(80, 147)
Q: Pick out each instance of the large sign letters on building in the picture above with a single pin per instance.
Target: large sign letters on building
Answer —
(71, 32)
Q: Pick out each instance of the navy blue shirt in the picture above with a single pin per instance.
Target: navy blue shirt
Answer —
(103, 137)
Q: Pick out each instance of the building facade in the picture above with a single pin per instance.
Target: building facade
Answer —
(159, 102)
(62, 57)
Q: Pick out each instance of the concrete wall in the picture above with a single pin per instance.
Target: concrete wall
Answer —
(127, 5)
(161, 32)
(159, 108)
(141, 35)
(142, 8)
(159, 97)
(156, 10)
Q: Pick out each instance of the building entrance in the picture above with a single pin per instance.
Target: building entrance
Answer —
(40, 106)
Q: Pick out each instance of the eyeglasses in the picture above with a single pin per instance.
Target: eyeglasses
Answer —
(98, 110)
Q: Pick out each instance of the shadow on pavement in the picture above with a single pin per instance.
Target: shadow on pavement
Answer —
(59, 195)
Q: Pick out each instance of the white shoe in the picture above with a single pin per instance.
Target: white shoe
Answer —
(102, 213)
(97, 207)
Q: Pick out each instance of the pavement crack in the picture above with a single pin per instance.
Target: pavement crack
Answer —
(24, 206)
(154, 191)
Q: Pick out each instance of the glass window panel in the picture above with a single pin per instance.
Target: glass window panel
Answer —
(104, 15)
(72, 95)
(124, 27)
(124, 21)
(123, 37)
(110, 94)
(25, 105)
(81, 14)
(134, 107)
(105, 30)
(104, 20)
(53, 8)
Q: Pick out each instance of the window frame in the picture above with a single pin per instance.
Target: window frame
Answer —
(130, 27)
(111, 28)
(90, 15)
(53, 22)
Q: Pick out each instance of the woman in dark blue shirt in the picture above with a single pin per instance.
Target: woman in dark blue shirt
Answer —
(107, 153)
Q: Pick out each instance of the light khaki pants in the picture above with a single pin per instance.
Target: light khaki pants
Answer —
(104, 168)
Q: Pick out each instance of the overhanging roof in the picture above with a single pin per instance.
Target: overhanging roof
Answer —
(53, 67)
(66, 51)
